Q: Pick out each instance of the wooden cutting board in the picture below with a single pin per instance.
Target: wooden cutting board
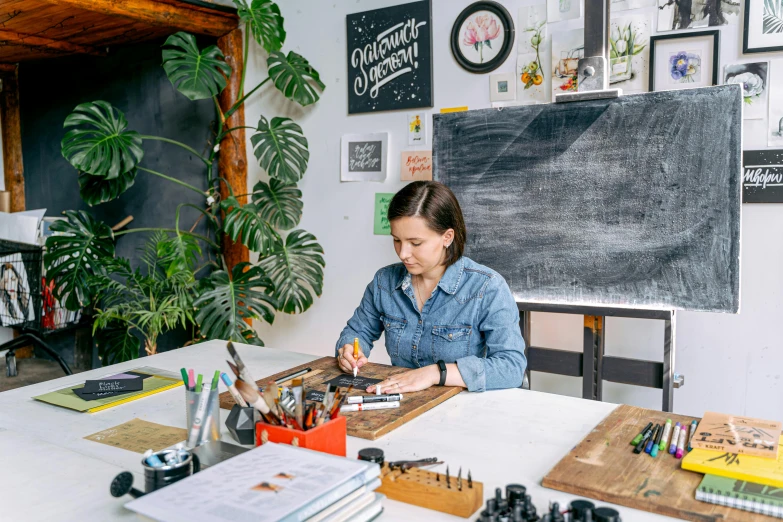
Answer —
(604, 467)
(364, 424)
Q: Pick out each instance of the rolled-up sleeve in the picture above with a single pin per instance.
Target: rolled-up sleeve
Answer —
(504, 363)
(365, 323)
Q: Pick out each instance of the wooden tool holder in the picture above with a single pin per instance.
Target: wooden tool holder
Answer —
(422, 488)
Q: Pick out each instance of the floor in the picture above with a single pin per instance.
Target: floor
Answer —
(30, 371)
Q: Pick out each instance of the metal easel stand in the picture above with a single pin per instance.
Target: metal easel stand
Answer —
(592, 364)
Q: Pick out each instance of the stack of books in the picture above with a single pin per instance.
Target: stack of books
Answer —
(742, 463)
(273, 482)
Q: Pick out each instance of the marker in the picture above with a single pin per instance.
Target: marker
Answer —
(373, 406)
(355, 355)
(199, 417)
(215, 379)
(378, 390)
(184, 373)
(657, 442)
(667, 429)
(642, 443)
(233, 390)
(191, 380)
(199, 379)
(639, 437)
(651, 440)
(694, 425)
(366, 399)
(675, 439)
(152, 460)
(681, 444)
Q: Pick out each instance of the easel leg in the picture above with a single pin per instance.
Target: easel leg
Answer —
(524, 325)
(592, 361)
(668, 363)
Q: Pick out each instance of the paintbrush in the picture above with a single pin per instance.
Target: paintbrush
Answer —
(251, 395)
(270, 395)
(243, 371)
(298, 390)
(233, 369)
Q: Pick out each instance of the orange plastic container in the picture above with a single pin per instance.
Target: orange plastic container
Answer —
(330, 437)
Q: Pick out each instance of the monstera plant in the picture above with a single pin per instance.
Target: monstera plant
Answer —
(108, 155)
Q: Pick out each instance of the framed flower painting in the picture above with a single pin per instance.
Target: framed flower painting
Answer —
(684, 61)
(763, 26)
(482, 37)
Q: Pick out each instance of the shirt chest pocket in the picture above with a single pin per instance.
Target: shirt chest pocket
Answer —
(394, 327)
(450, 342)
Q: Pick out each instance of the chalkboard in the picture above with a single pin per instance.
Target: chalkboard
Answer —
(631, 202)
(132, 80)
(390, 58)
(762, 177)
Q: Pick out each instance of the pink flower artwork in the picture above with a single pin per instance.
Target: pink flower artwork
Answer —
(480, 31)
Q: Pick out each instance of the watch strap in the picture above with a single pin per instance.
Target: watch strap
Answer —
(442, 368)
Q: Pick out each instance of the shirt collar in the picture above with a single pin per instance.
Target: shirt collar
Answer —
(448, 283)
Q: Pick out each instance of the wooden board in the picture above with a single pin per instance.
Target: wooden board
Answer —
(604, 467)
(364, 424)
(427, 489)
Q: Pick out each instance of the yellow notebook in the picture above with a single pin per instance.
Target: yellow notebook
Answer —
(759, 470)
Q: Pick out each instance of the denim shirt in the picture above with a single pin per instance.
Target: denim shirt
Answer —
(471, 319)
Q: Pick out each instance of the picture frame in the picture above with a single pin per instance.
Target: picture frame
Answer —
(684, 60)
(482, 37)
(502, 87)
(364, 157)
(754, 37)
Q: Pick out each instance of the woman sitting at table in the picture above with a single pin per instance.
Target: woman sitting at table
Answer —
(451, 320)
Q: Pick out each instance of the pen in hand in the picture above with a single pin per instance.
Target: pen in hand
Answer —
(355, 356)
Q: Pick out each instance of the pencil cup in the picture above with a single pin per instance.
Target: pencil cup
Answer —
(241, 424)
(210, 429)
(158, 477)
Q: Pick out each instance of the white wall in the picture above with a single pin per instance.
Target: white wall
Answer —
(731, 363)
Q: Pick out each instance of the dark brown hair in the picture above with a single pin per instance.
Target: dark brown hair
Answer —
(438, 206)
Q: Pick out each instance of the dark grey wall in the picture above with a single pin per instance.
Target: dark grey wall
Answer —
(631, 202)
(132, 80)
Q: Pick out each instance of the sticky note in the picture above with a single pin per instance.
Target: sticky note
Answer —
(381, 222)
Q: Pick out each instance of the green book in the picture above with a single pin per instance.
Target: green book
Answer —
(765, 500)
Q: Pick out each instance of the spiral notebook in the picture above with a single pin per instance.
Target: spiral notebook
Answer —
(765, 500)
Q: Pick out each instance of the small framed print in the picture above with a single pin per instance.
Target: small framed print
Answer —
(482, 37)
(763, 26)
(364, 157)
(684, 60)
(502, 87)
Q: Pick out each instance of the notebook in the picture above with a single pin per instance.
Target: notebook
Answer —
(735, 434)
(158, 381)
(273, 482)
(765, 500)
(759, 470)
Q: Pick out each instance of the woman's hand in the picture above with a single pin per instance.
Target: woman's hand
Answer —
(412, 381)
(346, 360)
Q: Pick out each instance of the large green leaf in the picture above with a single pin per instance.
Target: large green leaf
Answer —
(279, 204)
(179, 254)
(225, 303)
(295, 77)
(95, 190)
(265, 21)
(101, 144)
(243, 224)
(196, 74)
(116, 345)
(281, 149)
(75, 254)
(296, 268)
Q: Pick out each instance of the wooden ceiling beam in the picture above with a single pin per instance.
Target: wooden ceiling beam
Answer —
(15, 38)
(155, 12)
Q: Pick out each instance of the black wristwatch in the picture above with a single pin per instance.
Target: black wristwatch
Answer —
(442, 368)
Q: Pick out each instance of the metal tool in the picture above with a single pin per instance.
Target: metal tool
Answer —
(408, 464)
(459, 479)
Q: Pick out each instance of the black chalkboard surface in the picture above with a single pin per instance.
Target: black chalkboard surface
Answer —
(627, 202)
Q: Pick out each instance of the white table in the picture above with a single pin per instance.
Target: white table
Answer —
(49, 472)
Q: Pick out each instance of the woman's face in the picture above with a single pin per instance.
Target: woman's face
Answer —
(419, 247)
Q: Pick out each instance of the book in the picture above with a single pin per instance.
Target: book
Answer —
(740, 494)
(273, 482)
(749, 468)
(735, 434)
(370, 512)
(349, 504)
(156, 381)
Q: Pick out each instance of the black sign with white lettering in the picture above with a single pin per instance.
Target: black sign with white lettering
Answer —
(762, 176)
(390, 58)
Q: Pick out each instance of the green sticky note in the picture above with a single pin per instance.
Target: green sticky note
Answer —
(382, 227)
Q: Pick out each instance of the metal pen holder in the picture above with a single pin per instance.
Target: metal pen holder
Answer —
(210, 430)
(156, 478)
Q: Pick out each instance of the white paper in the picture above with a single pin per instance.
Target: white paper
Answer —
(264, 484)
(364, 157)
(629, 71)
(557, 10)
(775, 85)
(21, 227)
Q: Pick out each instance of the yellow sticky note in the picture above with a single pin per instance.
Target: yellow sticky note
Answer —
(447, 110)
